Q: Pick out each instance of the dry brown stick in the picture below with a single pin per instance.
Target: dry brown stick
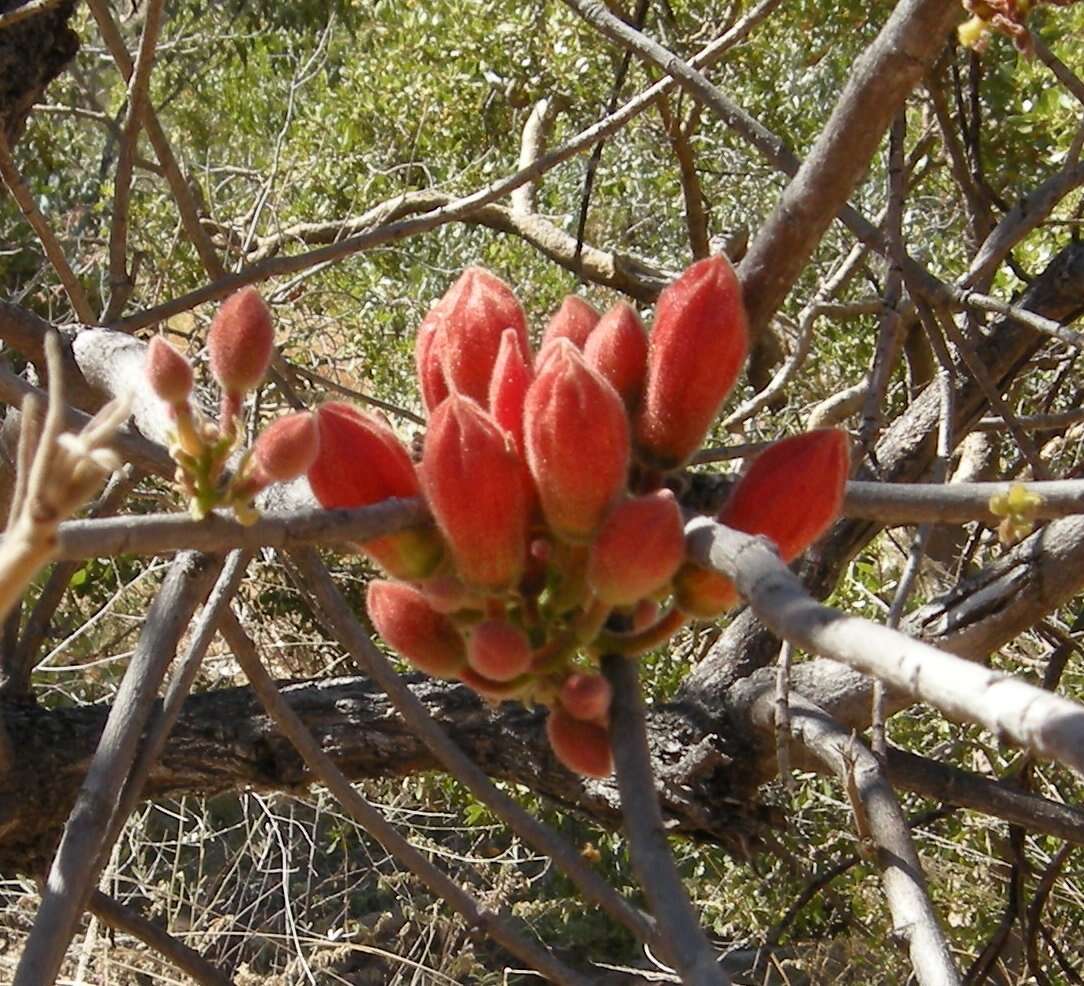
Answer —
(53, 250)
(913, 917)
(1035, 913)
(1047, 725)
(120, 278)
(71, 876)
(680, 137)
(345, 627)
(182, 193)
(117, 915)
(693, 956)
(373, 821)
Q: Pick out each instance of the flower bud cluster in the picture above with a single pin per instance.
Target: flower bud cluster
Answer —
(554, 537)
(241, 344)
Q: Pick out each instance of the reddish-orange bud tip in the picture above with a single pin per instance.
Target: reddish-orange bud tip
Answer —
(586, 696)
(287, 447)
(424, 637)
(583, 747)
(574, 321)
(168, 372)
(241, 341)
(499, 651)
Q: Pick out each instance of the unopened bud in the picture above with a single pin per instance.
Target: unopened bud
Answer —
(586, 696)
(583, 747)
(475, 312)
(508, 387)
(498, 650)
(241, 341)
(428, 361)
(576, 435)
(696, 350)
(574, 321)
(360, 462)
(791, 494)
(429, 640)
(287, 447)
(477, 488)
(617, 349)
(168, 372)
(637, 550)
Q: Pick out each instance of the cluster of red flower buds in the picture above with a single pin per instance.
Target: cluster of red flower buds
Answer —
(555, 539)
(240, 343)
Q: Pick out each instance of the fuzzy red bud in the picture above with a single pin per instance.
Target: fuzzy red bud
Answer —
(477, 488)
(637, 550)
(508, 386)
(583, 747)
(574, 320)
(586, 696)
(791, 494)
(475, 312)
(576, 435)
(402, 617)
(696, 350)
(287, 447)
(241, 341)
(498, 650)
(360, 462)
(427, 359)
(168, 372)
(617, 349)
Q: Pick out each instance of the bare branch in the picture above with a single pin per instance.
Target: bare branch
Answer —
(692, 954)
(53, 250)
(371, 819)
(71, 877)
(117, 915)
(1047, 725)
(913, 916)
(120, 279)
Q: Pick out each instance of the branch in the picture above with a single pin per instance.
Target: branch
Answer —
(117, 915)
(1047, 725)
(694, 957)
(375, 824)
(913, 916)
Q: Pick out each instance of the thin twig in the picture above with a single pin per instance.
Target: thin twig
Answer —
(373, 821)
(117, 915)
(696, 961)
(120, 279)
(53, 250)
(345, 627)
(913, 917)
(75, 866)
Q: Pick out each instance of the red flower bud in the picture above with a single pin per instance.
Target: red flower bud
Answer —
(645, 614)
(639, 547)
(498, 650)
(427, 359)
(574, 321)
(475, 312)
(478, 491)
(168, 372)
(583, 747)
(617, 349)
(241, 341)
(696, 349)
(791, 494)
(577, 440)
(287, 447)
(361, 462)
(429, 640)
(586, 696)
(446, 594)
(508, 387)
